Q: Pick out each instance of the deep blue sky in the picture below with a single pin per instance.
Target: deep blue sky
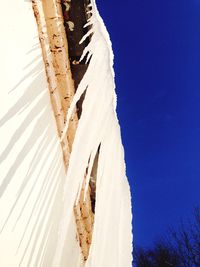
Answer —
(157, 64)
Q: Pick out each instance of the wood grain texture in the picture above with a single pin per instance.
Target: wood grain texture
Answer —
(55, 51)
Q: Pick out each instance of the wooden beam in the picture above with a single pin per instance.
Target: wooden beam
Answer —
(61, 53)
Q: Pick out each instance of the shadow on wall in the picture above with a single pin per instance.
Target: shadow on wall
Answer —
(45, 175)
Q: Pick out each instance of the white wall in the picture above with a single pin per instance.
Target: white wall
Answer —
(31, 170)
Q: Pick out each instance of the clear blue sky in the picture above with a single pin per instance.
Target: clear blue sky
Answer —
(157, 64)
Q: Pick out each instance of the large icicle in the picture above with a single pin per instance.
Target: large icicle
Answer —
(111, 241)
(38, 226)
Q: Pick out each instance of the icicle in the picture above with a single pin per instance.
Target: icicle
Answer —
(87, 180)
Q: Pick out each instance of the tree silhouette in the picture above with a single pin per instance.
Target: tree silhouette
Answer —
(179, 248)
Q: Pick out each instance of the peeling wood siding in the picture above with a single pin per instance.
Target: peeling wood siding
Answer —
(56, 58)
(84, 220)
(60, 59)
(51, 76)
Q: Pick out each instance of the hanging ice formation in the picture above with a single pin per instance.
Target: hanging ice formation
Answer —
(65, 199)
